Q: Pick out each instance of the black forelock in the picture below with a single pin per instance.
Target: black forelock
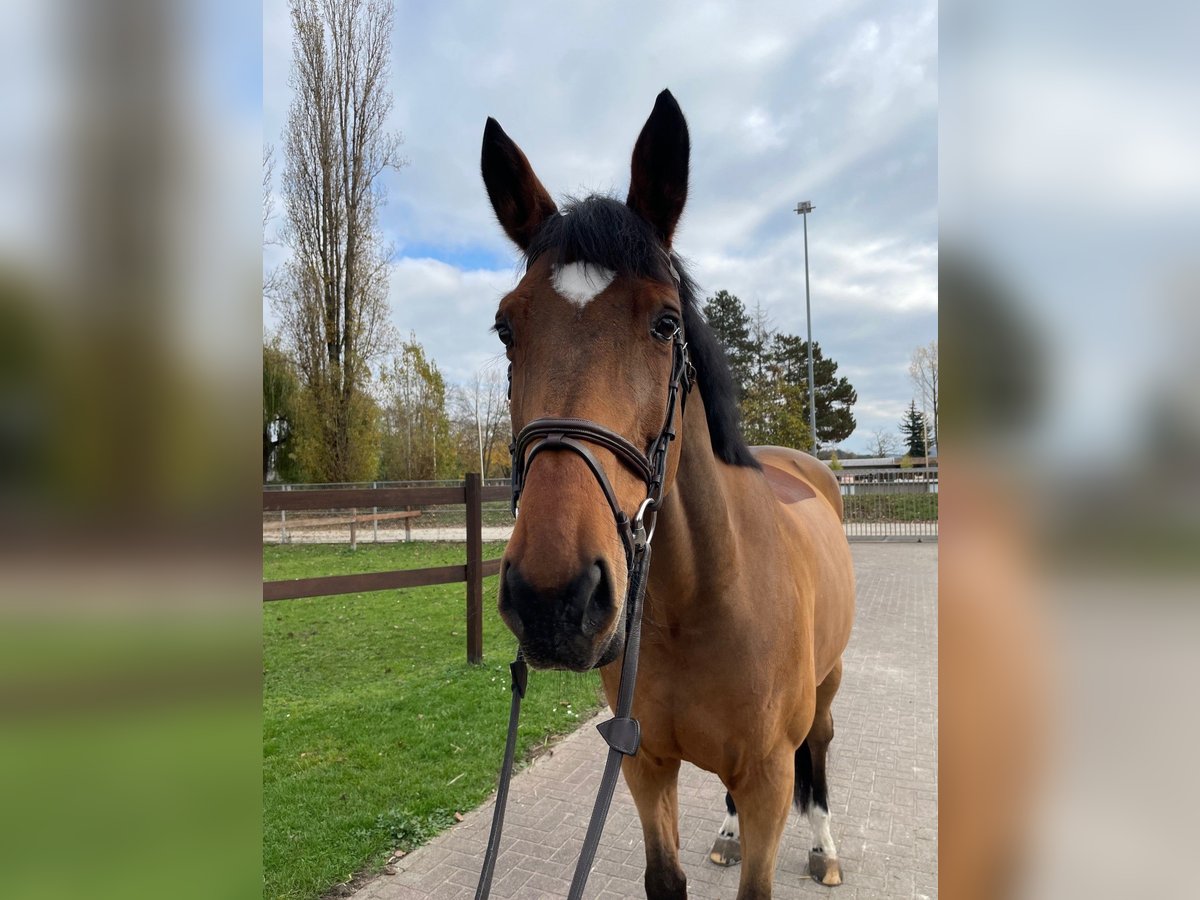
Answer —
(602, 231)
(605, 232)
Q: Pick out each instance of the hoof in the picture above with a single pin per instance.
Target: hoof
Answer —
(823, 869)
(726, 851)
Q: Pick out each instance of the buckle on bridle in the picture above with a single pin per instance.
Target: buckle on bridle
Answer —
(641, 536)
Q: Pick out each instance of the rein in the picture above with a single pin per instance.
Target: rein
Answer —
(622, 733)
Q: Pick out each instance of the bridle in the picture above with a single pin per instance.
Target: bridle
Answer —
(574, 434)
(622, 732)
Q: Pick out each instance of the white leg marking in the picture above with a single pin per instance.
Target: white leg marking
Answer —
(818, 818)
(729, 828)
(581, 282)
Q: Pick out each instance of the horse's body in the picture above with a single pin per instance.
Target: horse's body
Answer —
(744, 596)
(749, 608)
(816, 535)
(751, 591)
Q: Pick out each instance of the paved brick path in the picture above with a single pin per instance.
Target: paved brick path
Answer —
(882, 770)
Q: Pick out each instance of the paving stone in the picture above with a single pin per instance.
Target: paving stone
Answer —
(882, 773)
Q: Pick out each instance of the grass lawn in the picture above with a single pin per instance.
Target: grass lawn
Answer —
(375, 729)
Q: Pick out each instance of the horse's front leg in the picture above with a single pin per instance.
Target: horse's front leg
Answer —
(763, 795)
(654, 785)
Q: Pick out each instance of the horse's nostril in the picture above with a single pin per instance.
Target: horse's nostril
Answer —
(506, 588)
(512, 591)
(599, 606)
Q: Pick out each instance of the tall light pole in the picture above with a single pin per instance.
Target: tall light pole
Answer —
(803, 208)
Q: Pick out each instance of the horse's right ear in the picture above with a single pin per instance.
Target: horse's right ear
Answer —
(521, 203)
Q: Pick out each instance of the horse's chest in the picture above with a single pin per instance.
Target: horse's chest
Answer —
(705, 708)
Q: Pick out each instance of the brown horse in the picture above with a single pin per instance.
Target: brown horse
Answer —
(751, 591)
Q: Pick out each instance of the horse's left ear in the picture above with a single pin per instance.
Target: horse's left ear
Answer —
(659, 177)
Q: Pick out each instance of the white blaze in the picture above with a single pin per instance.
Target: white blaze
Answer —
(581, 282)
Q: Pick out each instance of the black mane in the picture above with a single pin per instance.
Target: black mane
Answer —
(605, 232)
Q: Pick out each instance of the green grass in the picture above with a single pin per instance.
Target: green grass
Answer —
(891, 507)
(375, 729)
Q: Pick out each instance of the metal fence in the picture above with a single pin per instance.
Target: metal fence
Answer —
(384, 524)
(890, 504)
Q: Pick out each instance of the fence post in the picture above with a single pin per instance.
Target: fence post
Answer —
(473, 494)
(375, 521)
(354, 529)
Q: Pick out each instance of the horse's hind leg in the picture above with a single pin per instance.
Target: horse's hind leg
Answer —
(727, 848)
(656, 795)
(812, 788)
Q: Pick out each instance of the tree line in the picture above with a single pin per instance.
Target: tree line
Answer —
(412, 426)
(409, 425)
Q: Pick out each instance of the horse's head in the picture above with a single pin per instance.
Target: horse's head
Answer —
(593, 333)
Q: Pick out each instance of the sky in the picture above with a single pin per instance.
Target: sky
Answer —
(831, 102)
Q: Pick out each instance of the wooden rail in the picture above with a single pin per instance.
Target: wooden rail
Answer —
(471, 493)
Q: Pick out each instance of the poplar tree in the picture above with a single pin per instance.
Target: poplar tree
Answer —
(332, 293)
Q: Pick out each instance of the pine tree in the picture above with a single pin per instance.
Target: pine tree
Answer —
(331, 296)
(913, 427)
(770, 370)
(835, 395)
(730, 324)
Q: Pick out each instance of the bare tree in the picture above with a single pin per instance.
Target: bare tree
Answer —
(332, 300)
(268, 176)
(270, 276)
(923, 370)
(883, 443)
(761, 333)
(483, 410)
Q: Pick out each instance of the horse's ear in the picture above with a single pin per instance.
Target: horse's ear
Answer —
(659, 177)
(521, 203)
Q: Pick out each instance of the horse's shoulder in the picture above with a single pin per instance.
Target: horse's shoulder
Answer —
(795, 476)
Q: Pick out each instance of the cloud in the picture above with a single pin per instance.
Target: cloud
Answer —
(451, 311)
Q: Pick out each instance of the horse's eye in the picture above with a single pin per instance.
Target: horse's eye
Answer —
(665, 327)
(504, 333)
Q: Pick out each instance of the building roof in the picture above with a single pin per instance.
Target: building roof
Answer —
(872, 462)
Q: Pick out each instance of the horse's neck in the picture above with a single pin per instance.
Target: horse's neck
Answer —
(695, 529)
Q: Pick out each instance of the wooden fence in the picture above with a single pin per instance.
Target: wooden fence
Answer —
(472, 493)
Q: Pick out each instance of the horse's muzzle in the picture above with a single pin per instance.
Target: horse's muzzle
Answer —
(569, 627)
